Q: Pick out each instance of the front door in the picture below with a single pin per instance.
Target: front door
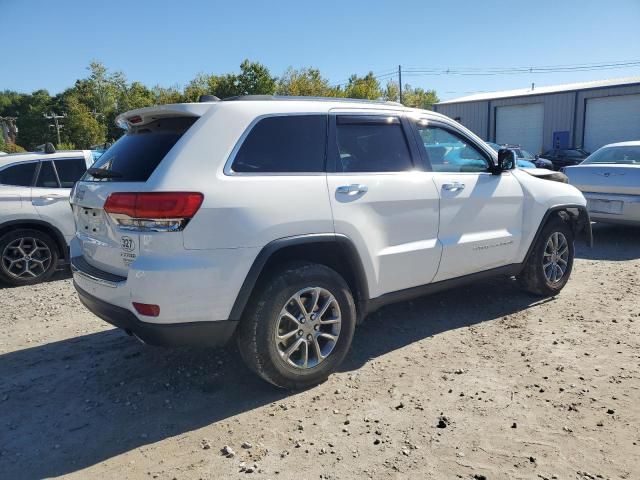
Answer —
(480, 213)
(383, 200)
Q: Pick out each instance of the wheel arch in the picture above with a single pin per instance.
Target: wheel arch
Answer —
(41, 226)
(335, 251)
(576, 215)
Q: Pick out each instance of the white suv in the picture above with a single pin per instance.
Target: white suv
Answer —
(285, 221)
(36, 222)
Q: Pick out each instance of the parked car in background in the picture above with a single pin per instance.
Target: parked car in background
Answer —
(524, 156)
(36, 221)
(521, 162)
(304, 216)
(609, 178)
(565, 157)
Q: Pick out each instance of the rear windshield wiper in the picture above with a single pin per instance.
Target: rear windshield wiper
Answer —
(102, 173)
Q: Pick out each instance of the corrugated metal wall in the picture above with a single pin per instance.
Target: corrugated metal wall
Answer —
(564, 111)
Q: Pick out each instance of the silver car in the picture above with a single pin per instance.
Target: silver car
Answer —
(609, 178)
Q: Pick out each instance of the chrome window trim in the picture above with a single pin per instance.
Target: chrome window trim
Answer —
(229, 172)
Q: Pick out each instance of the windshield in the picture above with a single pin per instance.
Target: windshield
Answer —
(527, 155)
(623, 155)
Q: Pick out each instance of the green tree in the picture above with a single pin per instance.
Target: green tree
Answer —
(164, 95)
(367, 87)
(419, 97)
(33, 128)
(81, 127)
(255, 79)
(304, 82)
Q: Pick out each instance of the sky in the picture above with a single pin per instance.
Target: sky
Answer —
(49, 44)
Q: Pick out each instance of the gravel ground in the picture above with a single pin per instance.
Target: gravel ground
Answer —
(481, 382)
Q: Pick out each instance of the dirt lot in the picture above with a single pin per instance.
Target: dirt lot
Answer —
(479, 382)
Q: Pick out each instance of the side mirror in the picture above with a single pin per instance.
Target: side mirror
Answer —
(506, 161)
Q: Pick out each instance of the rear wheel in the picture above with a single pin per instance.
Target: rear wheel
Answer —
(27, 257)
(549, 266)
(299, 327)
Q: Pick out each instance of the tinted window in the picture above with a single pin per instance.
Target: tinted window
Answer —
(448, 152)
(70, 170)
(294, 143)
(47, 176)
(135, 156)
(20, 175)
(371, 146)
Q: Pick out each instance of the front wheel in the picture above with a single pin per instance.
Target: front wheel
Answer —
(299, 327)
(549, 266)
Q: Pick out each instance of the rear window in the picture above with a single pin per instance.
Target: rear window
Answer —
(285, 144)
(136, 155)
(20, 175)
(70, 170)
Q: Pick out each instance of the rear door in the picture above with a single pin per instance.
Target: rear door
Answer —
(481, 214)
(382, 199)
(50, 194)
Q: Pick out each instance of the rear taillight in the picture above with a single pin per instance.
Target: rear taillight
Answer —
(147, 309)
(153, 211)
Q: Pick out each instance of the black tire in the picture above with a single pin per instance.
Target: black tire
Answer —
(256, 333)
(533, 278)
(9, 250)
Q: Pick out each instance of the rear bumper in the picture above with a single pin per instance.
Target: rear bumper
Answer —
(629, 213)
(197, 334)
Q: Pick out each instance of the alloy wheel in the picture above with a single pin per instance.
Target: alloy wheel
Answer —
(308, 327)
(26, 257)
(555, 258)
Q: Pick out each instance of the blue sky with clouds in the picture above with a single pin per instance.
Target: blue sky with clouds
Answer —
(48, 44)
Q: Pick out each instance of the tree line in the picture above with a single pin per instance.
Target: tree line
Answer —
(89, 108)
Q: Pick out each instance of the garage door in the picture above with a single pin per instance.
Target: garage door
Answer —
(521, 125)
(611, 119)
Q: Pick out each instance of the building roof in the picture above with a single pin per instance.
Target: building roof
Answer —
(567, 87)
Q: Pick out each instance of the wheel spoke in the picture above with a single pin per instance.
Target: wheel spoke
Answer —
(294, 346)
(288, 335)
(325, 307)
(316, 346)
(328, 335)
(303, 309)
(305, 362)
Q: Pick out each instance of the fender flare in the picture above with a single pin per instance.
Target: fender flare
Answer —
(274, 246)
(581, 223)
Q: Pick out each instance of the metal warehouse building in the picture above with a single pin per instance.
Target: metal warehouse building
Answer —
(587, 115)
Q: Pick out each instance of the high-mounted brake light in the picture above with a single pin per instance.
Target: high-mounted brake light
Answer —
(155, 211)
(134, 120)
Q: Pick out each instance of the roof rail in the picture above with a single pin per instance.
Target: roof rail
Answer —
(315, 99)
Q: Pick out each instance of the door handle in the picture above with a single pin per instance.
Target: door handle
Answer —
(51, 196)
(352, 189)
(453, 187)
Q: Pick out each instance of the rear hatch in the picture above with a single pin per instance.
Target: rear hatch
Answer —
(109, 234)
(605, 178)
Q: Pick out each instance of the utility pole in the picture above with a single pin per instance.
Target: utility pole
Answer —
(400, 80)
(54, 117)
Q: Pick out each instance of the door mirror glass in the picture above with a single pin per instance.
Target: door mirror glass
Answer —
(506, 160)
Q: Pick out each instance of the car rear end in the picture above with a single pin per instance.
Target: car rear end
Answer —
(129, 261)
(613, 194)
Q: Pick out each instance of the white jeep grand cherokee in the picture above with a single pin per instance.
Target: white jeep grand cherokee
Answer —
(283, 222)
